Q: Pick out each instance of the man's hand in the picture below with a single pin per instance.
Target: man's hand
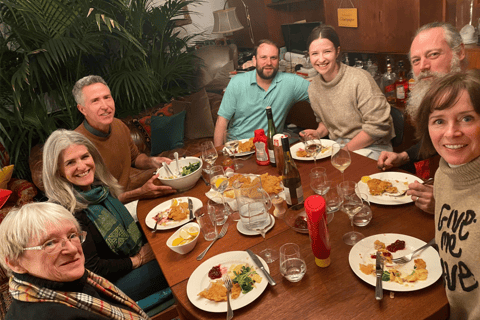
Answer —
(153, 190)
(157, 161)
(423, 196)
(388, 160)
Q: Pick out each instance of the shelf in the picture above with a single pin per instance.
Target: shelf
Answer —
(286, 2)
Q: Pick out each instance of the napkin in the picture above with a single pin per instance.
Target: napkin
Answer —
(363, 152)
(132, 208)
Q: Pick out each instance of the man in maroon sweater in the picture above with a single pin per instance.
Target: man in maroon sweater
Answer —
(112, 139)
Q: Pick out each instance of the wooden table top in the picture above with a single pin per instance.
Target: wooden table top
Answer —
(334, 292)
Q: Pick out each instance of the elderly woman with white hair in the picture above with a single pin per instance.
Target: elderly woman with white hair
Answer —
(42, 247)
(76, 177)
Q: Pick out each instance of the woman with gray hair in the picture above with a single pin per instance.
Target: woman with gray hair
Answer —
(76, 177)
(42, 247)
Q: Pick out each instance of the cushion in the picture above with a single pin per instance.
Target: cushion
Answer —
(167, 132)
(5, 175)
(4, 195)
(221, 79)
(166, 111)
(198, 120)
(23, 191)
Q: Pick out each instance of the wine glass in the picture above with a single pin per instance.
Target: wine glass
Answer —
(218, 210)
(352, 204)
(218, 179)
(340, 158)
(209, 153)
(260, 220)
(313, 145)
(231, 143)
(318, 181)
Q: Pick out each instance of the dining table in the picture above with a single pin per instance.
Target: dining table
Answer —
(333, 292)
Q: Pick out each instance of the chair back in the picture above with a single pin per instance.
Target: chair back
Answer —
(398, 124)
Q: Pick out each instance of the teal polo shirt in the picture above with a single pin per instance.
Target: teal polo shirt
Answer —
(244, 102)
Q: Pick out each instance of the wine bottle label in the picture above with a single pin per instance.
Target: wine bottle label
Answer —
(389, 88)
(272, 156)
(261, 151)
(300, 194)
(400, 92)
(288, 195)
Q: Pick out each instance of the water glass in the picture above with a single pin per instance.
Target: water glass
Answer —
(318, 181)
(292, 266)
(207, 223)
(218, 209)
(333, 199)
(364, 216)
(218, 179)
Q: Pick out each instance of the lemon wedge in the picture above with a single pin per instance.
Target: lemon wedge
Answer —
(177, 241)
(184, 234)
(365, 179)
(219, 181)
(192, 231)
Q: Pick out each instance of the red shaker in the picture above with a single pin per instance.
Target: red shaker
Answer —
(261, 147)
(317, 229)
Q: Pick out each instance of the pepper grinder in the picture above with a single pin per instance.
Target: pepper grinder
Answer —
(279, 205)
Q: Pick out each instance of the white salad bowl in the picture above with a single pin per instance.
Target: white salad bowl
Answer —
(184, 248)
(181, 183)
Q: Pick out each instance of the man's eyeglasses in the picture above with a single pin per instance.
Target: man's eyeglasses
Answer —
(55, 245)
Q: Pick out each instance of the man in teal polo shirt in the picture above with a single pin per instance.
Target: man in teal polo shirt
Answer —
(248, 94)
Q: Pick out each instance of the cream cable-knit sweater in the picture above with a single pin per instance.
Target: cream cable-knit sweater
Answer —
(457, 234)
(350, 103)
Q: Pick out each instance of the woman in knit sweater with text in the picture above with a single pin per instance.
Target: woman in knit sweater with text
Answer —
(347, 102)
(449, 122)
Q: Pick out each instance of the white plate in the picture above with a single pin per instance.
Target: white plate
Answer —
(398, 179)
(241, 154)
(150, 222)
(363, 250)
(325, 154)
(241, 228)
(199, 281)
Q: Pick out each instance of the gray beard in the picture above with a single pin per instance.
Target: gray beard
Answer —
(422, 86)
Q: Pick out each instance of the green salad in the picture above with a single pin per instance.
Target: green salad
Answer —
(244, 280)
(192, 167)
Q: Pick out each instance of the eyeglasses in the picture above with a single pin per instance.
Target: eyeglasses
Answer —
(55, 245)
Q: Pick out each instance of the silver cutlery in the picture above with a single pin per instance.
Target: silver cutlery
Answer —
(244, 158)
(175, 155)
(408, 257)
(219, 236)
(259, 264)
(167, 169)
(155, 227)
(190, 209)
(396, 195)
(379, 274)
(205, 180)
(228, 284)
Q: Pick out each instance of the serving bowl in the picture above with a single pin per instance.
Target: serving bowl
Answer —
(291, 216)
(184, 248)
(181, 183)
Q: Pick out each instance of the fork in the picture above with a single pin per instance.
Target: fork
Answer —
(408, 257)
(228, 284)
(244, 158)
(219, 236)
(426, 182)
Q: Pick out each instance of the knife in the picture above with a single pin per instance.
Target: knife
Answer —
(379, 273)
(190, 209)
(259, 264)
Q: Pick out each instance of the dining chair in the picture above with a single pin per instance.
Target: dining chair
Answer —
(398, 124)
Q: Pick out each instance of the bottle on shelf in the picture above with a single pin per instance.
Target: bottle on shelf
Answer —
(261, 150)
(292, 184)
(271, 131)
(401, 85)
(388, 84)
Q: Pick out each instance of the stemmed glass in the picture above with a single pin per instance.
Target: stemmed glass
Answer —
(352, 204)
(340, 158)
(318, 181)
(218, 179)
(231, 143)
(313, 145)
(260, 220)
(209, 153)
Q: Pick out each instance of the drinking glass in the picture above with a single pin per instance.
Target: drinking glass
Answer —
(292, 266)
(352, 204)
(218, 209)
(259, 220)
(209, 153)
(231, 143)
(333, 199)
(207, 223)
(340, 158)
(313, 145)
(318, 181)
(218, 179)
(364, 216)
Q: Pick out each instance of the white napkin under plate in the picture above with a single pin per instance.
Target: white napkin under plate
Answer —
(132, 208)
(363, 152)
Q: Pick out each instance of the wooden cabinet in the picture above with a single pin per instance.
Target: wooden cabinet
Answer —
(383, 26)
(472, 52)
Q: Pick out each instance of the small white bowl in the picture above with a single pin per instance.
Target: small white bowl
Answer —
(181, 183)
(184, 248)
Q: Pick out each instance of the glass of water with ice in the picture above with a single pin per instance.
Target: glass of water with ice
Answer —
(292, 266)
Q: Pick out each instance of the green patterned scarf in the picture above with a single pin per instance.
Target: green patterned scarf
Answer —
(113, 221)
(25, 291)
